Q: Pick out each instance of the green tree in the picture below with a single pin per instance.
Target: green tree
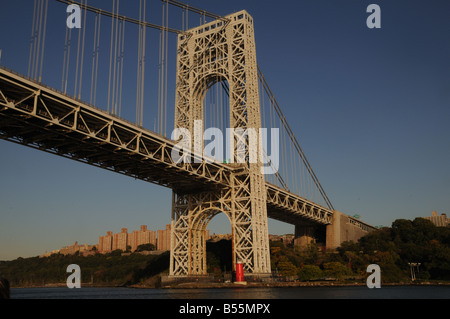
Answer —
(438, 265)
(145, 247)
(403, 231)
(311, 253)
(309, 272)
(336, 270)
(286, 268)
(388, 262)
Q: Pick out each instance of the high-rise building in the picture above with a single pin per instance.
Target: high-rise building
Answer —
(163, 239)
(105, 243)
(120, 240)
(141, 237)
(152, 235)
(160, 239)
(441, 221)
(133, 240)
(124, 239)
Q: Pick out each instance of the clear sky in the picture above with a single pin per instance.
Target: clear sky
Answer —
(370, 108)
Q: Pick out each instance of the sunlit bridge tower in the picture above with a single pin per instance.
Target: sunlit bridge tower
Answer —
(221, 51)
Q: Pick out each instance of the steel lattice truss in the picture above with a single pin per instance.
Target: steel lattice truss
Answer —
(223, 50)
(42, 118)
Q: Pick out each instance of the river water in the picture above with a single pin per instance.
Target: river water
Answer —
(360, 292)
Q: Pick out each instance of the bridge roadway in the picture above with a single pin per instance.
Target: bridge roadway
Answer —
(40, 117)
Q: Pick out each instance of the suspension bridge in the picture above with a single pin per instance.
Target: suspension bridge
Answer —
(92, 118)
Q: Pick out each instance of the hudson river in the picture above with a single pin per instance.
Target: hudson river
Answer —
(360, 292)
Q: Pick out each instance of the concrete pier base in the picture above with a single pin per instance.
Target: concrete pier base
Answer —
(342, 228)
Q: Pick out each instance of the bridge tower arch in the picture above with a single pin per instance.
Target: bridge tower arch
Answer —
(223, 49)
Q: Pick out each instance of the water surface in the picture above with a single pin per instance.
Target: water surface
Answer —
(362, 292)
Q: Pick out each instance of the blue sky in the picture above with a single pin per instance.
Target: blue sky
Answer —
(370, 108)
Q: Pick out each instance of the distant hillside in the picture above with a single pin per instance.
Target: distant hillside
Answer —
(99, 269)
(113, 269)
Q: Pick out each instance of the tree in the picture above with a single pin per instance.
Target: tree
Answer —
(424, 230)
(378, 240)
(309, 272)
(310, 253)
(439, 261)
(403, 231)
(336, 270)
(286, 268)
(145, 247)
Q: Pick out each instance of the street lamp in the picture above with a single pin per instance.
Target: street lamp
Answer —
(413, 274)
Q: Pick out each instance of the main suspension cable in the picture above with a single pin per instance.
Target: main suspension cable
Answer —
(293, 139)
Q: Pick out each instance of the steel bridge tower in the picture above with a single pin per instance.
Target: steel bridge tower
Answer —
(221, 51)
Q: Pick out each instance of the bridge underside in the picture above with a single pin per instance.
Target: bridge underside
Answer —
(41, 118)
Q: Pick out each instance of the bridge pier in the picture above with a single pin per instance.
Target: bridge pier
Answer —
(305, 234)
(342, 228)
(335, 230)
(345, 228)
(191, 214)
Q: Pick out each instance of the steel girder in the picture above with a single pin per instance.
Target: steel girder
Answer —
(300, 210)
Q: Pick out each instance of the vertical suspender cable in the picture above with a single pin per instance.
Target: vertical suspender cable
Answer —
(165, 68)
(43, 41)
(95, 54)
(93, 59)
(163, 71)
(97, 57)
(138, 87)
(141, 63)
(38, 40)
(138, 59)
(119, 93)
(296, 144)
(32, 38)
(163, 64)
(65, 58)
(114, 89)
(77, 63)
(160, 73)
(144, 32)
(186, 19)
(111, 58)
(159, 82)
(82, 52)
(66, 74)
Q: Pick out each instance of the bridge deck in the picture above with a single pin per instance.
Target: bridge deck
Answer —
(34, 115)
